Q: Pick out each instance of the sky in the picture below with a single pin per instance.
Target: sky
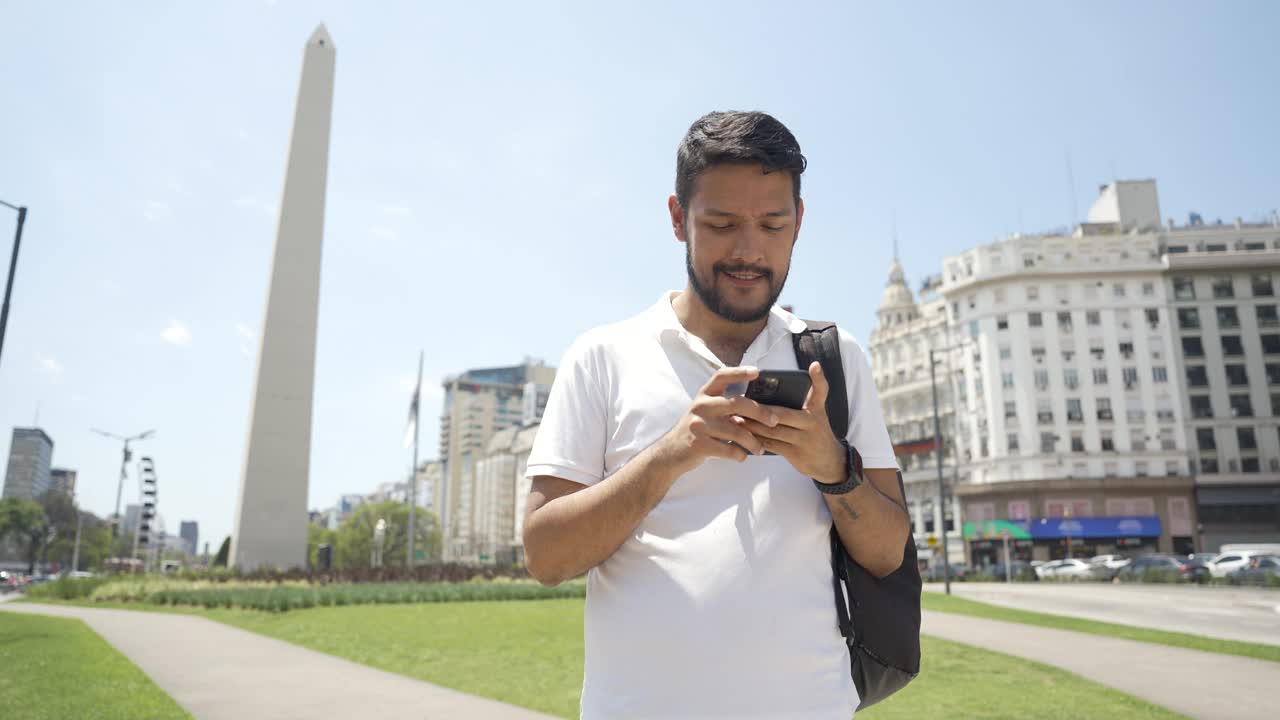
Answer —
(498, 178)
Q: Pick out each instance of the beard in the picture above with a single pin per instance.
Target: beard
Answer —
(716, 303)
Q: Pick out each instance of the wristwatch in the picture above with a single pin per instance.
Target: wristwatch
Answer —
(854, 479)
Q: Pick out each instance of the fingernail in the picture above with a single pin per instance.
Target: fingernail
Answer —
(773, 420)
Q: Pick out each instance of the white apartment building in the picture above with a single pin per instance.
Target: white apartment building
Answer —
(1222, 285)
(899, 352)
(501, 491)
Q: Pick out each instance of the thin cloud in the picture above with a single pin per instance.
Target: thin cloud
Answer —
(49, 365)
(176, 334)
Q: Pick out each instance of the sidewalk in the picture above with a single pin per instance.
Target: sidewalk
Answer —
(1194, 683)
(218, 672)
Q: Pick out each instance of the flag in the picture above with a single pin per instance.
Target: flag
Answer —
(412, 430)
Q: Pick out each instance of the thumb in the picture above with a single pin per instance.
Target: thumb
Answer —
(817, 400)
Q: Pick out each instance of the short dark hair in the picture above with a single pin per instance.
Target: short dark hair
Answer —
(736, 137)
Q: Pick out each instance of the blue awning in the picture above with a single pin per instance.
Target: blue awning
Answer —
(1095, 527)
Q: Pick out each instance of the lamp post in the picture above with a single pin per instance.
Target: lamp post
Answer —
(13, 266)
(937, 434)
(124, 462)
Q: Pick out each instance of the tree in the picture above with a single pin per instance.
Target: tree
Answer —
(25, 520)
(355, 536)
(223, 551)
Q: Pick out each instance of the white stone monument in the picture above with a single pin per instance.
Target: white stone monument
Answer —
(271, 510)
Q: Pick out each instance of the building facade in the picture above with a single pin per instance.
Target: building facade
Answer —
(62, 480)
(1221, 281)
(30, 457)
(189, 531)
(478, 404)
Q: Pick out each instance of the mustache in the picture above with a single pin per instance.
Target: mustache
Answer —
(764, 272)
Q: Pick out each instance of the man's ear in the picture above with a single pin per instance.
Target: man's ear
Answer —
(799, 219)
(677, 218)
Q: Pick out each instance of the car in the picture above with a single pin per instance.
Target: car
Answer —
(80, 574)
(1228, 562)
(1155, 566)
(934, 573)
(1202, 557)
(1110, 562)
(1018, 570)
(1069, 569)
(1260, 570)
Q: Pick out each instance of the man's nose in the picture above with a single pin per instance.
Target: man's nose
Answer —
(748, 247)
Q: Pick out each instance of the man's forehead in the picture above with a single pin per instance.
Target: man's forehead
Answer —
(743, 189)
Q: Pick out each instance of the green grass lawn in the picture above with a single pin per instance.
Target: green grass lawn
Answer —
(530, 654)
(58, 668)
(963, 606)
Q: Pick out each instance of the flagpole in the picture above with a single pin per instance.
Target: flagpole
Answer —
(413, 474)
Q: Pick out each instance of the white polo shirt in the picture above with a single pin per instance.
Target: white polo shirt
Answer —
(720, 604)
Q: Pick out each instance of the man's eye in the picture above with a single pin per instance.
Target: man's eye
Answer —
(773, 228)
(722, 227)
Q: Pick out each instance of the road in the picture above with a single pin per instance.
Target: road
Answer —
(1251, 615)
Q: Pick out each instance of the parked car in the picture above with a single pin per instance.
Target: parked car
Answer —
(1172, 568)
(1069, 569)
(934, 573)
(1018, 570)
(1228, 562)
(1110, 562)
(1202, 557)
(1259, 571)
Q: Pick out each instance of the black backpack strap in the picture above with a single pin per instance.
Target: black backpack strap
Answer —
(821, 342)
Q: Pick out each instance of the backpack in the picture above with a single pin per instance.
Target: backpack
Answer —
(880, 621)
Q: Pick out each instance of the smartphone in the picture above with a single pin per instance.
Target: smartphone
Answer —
(786, 388)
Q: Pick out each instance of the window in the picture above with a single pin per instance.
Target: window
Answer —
(1099, 376)
(1006, 380)
(1130, 376)
(1222, 287)
(1028, 261)
(955, 310)
(1074, 411)
(1096, 349)
(1002, 322)
(1064, 321)
(1104, 408)
(1228, 317)
(1267, 316)
(1019, 509)
(1137, 439)
(1246, 438)
(1205, 440)
(1250, 465)
(1197, 376)
(1160, 374)
(1208, 466)
(1188, 318)
(1077, 442)
(1271, 344)
(1241, 406)
(1005, 353)
(1192, 347)
(1010, 409)
(1068, 355)
(1048, 443)
(1231, 345)
(1033, 292)
(1110, 469)
(1153, 317)
(1093, 317)
(1042, 379)
(1035, 319)
(1273, 373)
(1262, 285)
(1140, 468)
(1200, 407)
(1171, 467)
(1044, 411)
(1236, 375)
(1184, 288)
(973, 328)
(1126, 349)
(1108, 444)
(1148, 289)
(973, 301)
(1118, 290)
(1071, 378)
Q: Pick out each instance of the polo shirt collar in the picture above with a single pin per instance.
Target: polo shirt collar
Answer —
(666, 324)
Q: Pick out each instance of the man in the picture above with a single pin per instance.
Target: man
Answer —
(709, 592)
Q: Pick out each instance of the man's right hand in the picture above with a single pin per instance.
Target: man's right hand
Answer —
(712, 427)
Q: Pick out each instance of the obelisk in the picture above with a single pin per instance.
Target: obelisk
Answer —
(271, 510)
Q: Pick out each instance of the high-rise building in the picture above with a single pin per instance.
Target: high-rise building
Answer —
(1221, 281)
(477, 404)
(430, 476)
(905, 332)
(189, 531)
(30, 456)
(62, 480)
(132, 518)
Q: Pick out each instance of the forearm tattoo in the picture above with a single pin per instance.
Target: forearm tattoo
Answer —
(848, 509)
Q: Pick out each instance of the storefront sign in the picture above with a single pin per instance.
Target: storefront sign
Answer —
(1133, 526)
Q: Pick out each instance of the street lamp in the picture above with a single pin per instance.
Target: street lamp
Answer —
(937, 434)
(115, 527)
(13, 265)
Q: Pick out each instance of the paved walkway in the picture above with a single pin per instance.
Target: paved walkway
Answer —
(1194, 683)
(219, 672)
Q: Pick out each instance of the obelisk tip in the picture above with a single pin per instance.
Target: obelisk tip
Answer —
(321, 37)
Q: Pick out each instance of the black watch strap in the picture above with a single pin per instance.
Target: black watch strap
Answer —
(854, 478)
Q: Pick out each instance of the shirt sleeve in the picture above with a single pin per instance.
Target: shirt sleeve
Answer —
(867, 431)
(570, 442)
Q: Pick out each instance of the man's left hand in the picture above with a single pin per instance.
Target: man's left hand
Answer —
(804, 436)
